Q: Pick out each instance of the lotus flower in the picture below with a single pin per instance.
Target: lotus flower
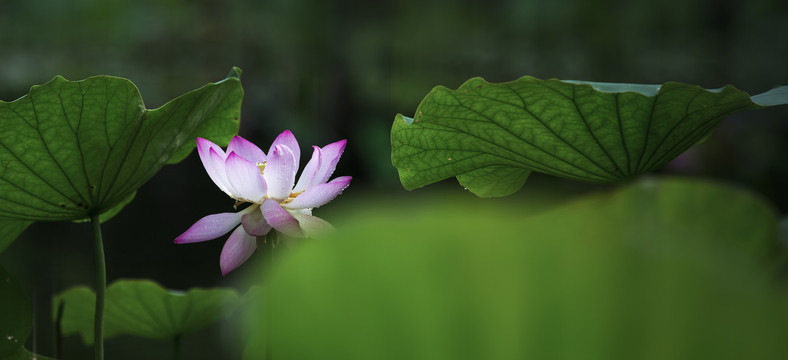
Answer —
(248, 175)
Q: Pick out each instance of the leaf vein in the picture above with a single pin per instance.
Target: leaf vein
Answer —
(621, 131)
(705, 127)
(137, 129)
(571, 99)
(49, 152)
(654, 101)
(8, 149)
(672, 128)
(441, 127)
(591, 132)
(76, 135)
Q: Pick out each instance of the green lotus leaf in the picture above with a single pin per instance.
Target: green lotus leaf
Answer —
(73, 149)
(492, 136)
(144, 308)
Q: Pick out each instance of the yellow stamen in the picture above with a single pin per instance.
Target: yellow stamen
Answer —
(292, 197)
(237, 203)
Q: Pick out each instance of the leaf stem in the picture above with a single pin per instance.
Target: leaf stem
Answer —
(176, 347)
(101, 286)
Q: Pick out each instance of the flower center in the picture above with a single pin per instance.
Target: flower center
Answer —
(261, 166)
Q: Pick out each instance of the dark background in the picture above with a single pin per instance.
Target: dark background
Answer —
(332, 70)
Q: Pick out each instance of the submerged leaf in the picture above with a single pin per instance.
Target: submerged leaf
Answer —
(24, 354)
(145, 309)
(16, 320)
(16, 315)
(596, 132)
(72, 149)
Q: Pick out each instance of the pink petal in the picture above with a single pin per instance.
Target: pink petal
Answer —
(319, 195)
(254, 223)
(280, 219)
(239, 247)
(313, 226)
(328, 163)
(209, 227)
(287, 139)
(221, 173)
(245, 178)
(310, 170)
(204, 148)
(246, 149)
(280, 171)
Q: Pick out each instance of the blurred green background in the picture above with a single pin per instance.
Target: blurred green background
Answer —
(661, 268)
(331, 70)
